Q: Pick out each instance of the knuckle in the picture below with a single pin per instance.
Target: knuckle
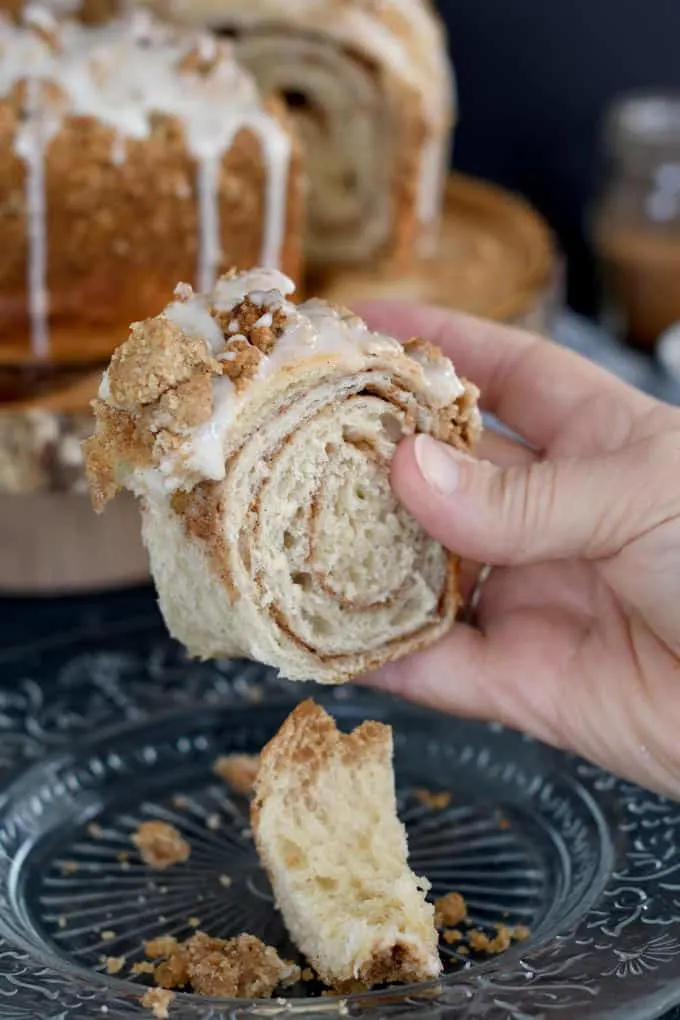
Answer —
(525, 499)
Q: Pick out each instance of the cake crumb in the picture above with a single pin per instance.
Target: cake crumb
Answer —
(61, 921)
(452, 935)
(238, 771)
(68, 867)
(158, 1001)
(435, 801)
(241, 967)
(308, 974)
(142, 967)
(193, 922)
(226, 881)
(213, 822)
(164, 945)
(160, 844)
(180, 801)
(450, 910)
(521, 933)
(480, 942)
(94, 830)
(107, 935)
(114, 964)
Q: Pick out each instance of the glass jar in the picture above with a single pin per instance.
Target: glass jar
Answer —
(637, 221)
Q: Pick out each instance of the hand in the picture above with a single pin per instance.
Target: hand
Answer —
(579, 621)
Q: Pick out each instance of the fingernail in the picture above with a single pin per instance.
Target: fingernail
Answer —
(437, 465)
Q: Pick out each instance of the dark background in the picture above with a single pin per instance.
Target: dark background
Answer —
(534, 79)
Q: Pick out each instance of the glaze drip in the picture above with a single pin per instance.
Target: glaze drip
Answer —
(123, 74)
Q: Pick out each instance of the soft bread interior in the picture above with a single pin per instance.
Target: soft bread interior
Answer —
(326, 825)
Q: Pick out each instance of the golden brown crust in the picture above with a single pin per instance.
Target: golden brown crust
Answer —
(399, 965)
(308, 740)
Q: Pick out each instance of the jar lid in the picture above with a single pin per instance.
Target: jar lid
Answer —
(644, 118)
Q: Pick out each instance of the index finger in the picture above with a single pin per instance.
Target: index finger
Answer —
(530, 383)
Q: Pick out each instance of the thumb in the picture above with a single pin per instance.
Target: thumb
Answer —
(546, 509)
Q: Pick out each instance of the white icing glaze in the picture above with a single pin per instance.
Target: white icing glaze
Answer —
(313, 329)
(30, 144)
(193, 318)
(104, 392)
(440, 377)
(122, 74)
(209, 253)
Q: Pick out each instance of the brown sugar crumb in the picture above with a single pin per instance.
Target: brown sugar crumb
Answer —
(68, 867)
(242, 967)
(452, 935)
(114, 964)
(187, 405)
(260, 326)
(239, 771)
(450, 910)
(116, 437)
(504, 824)
(158, 1001)
(240, 362)
(480, 942)
(172, 973)
(142, 967)
(123, 856)
(164, 945)
(435, 801)
(156, 357)
(308, 974)
(160, 844)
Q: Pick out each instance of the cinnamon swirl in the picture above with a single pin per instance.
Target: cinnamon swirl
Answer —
(258, 435)
(371, 91)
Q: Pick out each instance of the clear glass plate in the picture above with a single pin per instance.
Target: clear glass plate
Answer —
(114, 731)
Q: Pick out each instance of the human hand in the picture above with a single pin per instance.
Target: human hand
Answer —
(579, 621)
